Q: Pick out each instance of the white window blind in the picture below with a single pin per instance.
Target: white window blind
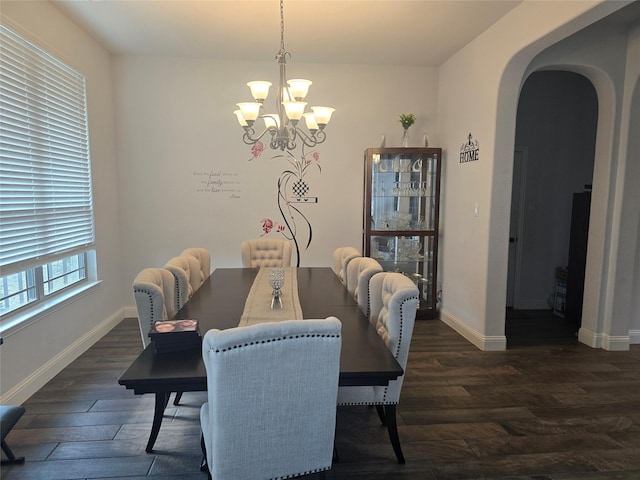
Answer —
(46, 207)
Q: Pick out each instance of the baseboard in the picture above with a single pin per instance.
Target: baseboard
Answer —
(608, 342)
(130, 312)
(34, 382)
(483, 342)
(589, 338)
(616, 343)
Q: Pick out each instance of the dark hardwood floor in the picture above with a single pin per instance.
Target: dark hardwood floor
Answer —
(538, 411)
(538, 327)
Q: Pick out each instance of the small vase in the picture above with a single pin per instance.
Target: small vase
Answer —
(405, 138)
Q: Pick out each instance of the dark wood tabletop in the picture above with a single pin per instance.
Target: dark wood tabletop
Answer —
(219, 303)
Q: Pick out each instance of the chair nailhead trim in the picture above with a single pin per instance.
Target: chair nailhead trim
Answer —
(308, 472)
(150, 306)
(386, 388)
(261, 342)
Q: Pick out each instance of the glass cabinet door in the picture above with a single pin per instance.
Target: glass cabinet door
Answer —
(410, 255)
(402, 190)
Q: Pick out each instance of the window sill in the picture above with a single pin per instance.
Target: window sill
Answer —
(31, 315)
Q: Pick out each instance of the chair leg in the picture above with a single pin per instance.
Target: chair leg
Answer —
(392, 428)
(204, 467)
(12, 459)
(380, 410)
(336, 457)
(176, 400)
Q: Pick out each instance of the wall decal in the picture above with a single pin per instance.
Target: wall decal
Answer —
(470, 150)
(219, 182)
(293, 193)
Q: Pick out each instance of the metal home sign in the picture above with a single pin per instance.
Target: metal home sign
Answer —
(470, 150)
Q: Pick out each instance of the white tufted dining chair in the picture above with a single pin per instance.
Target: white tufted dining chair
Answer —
(288, 429)
(266, 252)
(341, 258)
(393, 301)
(204, 257)
(359, 272)
(154, 292)
(188, 277)
(337, 260)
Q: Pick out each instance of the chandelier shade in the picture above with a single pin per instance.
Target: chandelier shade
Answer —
(283, 128)
(259, 89)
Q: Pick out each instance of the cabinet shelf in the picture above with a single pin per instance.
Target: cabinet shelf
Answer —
(396, 196)
(404, 233)
(401, 215)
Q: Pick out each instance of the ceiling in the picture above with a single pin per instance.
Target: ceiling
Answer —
(391, 32)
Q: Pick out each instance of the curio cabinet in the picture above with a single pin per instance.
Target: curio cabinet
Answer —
(401, 215)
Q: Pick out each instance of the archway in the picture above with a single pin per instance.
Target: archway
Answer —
(553, 170)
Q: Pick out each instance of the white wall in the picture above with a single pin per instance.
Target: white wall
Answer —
(626, 304)
(32, 355)
(632, 149)
(603, 53)
(174, 118)
(479, 90)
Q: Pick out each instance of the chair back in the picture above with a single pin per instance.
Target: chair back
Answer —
(204, 257)
(337, 260)
(346, 255)
(393, 300)
(266, 252)
(154, 292)
(188, 277)
(359, 272)
(272, 391)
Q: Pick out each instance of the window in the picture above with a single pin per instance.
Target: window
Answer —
(46, 202)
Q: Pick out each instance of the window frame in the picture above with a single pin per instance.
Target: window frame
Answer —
(39, 286)
(48, 146)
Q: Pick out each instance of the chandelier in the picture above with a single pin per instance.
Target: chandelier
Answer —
(283, 126)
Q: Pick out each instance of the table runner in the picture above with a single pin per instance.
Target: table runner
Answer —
(257, 308)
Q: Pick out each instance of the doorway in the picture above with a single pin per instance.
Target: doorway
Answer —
(555, 134)
(516, 222)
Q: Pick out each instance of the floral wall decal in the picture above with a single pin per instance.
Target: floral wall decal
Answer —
(257, 150)
(292, 194)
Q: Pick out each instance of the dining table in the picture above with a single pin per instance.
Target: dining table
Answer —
(220, 302)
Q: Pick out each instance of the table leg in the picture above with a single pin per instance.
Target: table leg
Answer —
(162, 398)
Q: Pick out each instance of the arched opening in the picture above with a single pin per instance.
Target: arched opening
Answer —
(555, 141)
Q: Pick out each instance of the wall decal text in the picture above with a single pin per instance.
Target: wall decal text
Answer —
(218, 182)
(470, 150)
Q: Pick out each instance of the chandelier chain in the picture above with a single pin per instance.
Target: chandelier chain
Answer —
(282, 50)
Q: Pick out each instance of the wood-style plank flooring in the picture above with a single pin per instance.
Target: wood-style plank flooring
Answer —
(545, 409)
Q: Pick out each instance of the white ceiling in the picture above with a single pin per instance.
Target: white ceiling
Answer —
(389, 32)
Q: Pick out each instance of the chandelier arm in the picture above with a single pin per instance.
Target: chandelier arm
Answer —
(313, 139)
(250, 138)
(283, 144)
